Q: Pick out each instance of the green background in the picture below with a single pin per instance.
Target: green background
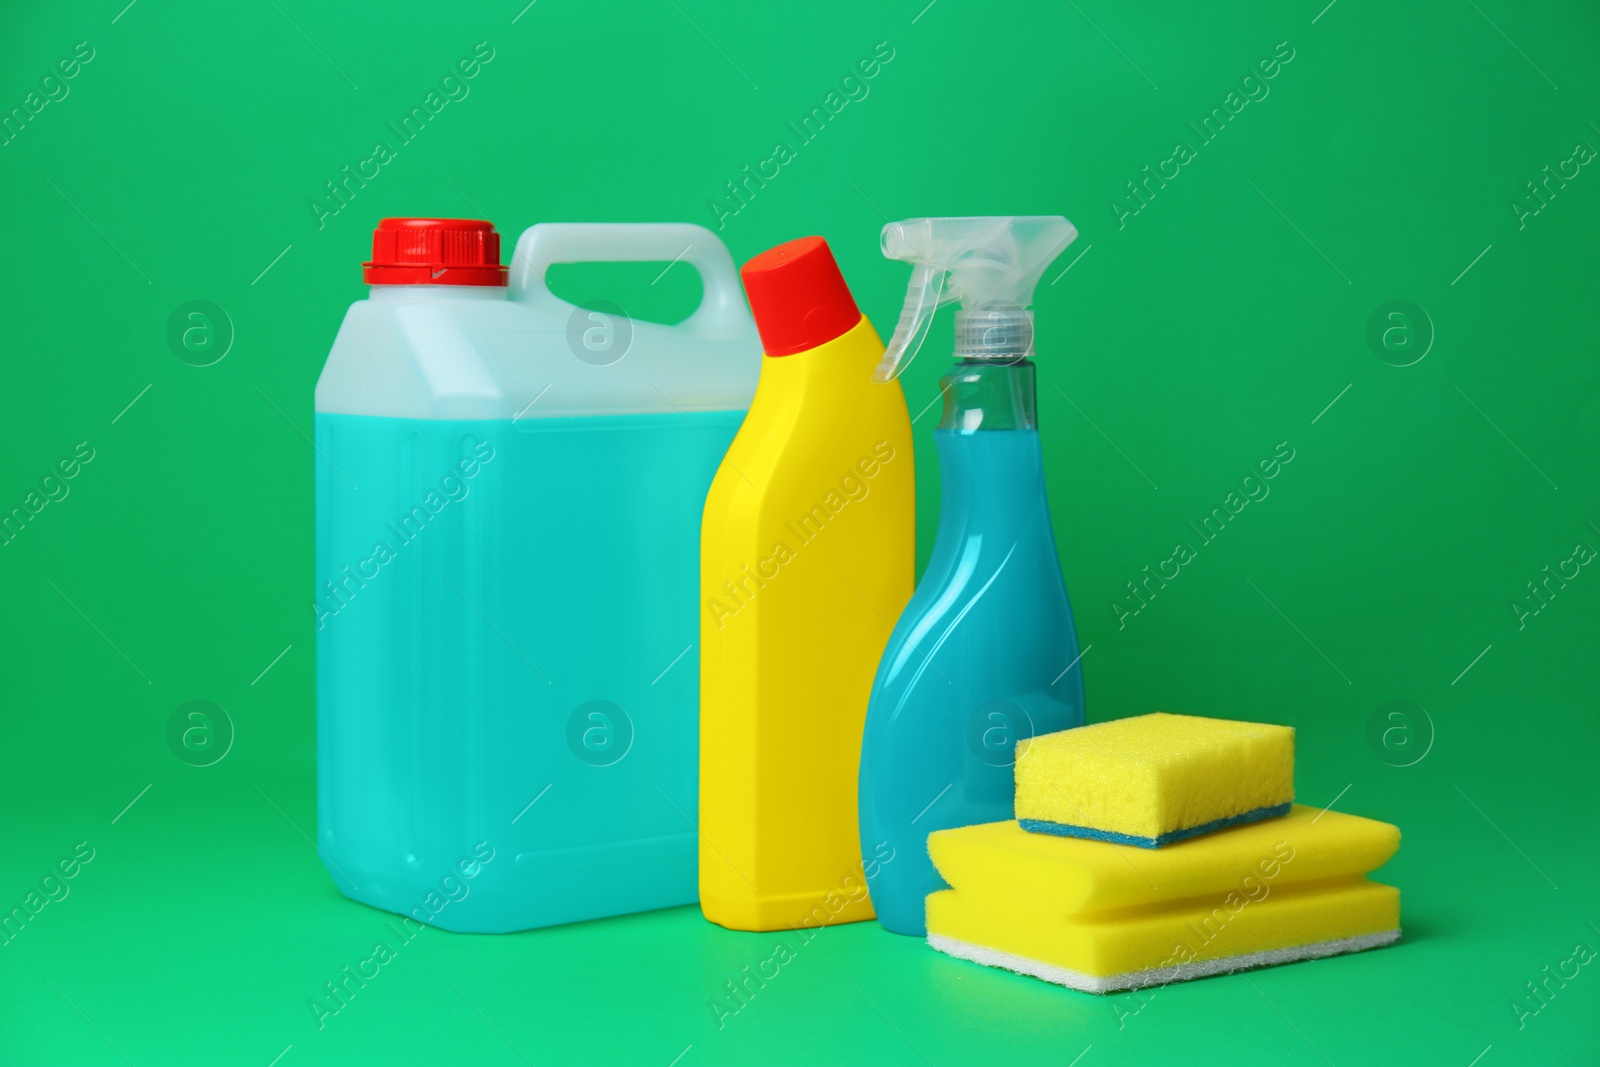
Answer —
(1185, 344)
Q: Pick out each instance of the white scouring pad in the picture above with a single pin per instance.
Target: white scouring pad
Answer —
(1178, 972)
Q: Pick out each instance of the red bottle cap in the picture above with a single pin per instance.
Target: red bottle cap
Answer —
(434, 252)
(798, 296)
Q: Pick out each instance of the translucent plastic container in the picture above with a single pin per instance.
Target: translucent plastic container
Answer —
(985, 653)
(508, 501)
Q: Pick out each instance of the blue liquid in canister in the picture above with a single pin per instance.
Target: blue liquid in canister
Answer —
(985, 653)
(507, 683)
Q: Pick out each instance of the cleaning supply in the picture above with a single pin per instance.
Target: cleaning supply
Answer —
(985, 653)
(508, 495)
(1101, 918)
(1154, 779)
(807, 555)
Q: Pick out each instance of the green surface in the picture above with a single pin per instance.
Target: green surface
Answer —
(1221, 319)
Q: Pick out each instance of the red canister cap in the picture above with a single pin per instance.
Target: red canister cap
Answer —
(434, 252)
(798, 296)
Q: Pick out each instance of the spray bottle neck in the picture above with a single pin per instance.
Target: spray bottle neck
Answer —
(981, 395)
(994, 333)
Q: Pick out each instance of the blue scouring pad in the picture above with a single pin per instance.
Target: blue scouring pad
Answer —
(1061, 829)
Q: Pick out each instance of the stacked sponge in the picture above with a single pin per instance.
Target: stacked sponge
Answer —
(1154, 780)
(1225, 874)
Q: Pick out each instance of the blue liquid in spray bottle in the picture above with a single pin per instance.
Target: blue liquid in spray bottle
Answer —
(986, 652)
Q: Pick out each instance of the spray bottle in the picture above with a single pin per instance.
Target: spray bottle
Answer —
(985, 653)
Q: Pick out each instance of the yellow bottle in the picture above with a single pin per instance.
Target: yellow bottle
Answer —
(807, 558)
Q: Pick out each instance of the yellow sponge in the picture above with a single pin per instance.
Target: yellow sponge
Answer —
(1101, 918)
(1170, 946)
(1154, 779)
(1069, 876)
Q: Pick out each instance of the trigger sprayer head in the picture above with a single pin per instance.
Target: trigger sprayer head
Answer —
(990, 264)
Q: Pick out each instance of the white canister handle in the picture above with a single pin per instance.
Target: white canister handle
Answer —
(722, 313)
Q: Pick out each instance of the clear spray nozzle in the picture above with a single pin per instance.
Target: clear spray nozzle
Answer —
(989, 264)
